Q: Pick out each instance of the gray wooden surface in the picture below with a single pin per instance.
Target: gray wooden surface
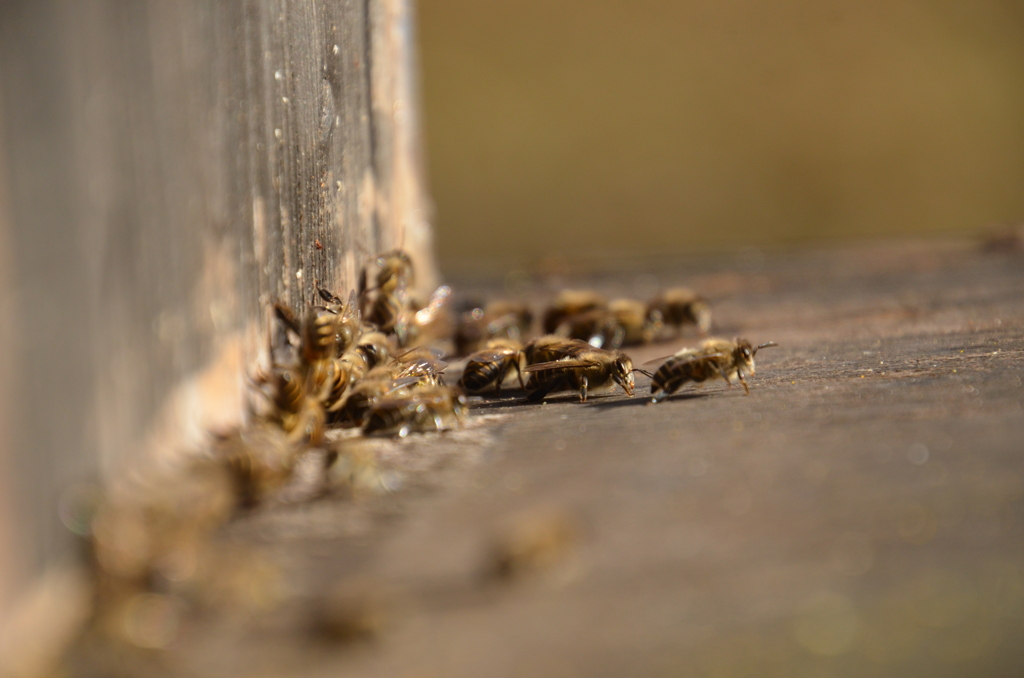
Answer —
(860, 513)
(169, 170)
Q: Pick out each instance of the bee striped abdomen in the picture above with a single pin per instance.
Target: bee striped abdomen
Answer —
(321, 336)
(479, 376)
(675, 373)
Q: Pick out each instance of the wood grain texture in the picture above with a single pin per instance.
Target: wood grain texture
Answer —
(172, 169)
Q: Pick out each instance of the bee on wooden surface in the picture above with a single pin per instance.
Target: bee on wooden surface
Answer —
(422, 364)
(420, 321)
(259, 460)
(301, 416)
(570, 303)
(395, 270)
(577, 366)
(640, 324)
(495, 320)
(490, 366)
(361, 397)
(371, 350)
(550, 347)
(389, 304)
(713, 359)
(534, 542)
(598, 327)
(681, 306)
(385, 303)
(436, 408)
(347, 320)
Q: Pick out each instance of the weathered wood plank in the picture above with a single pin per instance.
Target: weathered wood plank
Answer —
(171, 169)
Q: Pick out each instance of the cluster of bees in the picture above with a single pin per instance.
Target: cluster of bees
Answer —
(580, 348)
(350, 363)
(366, 361)
(371, 362)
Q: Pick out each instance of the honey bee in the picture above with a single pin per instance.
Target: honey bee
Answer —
(297, 413)
(640, 324)
(422, 364)
(421, 319)
(371, 350)
(569, 303)
(292, 405)
(598, 327)
(388, 303)
(347, 320)
(681, 306)
(490, 366)
(574, 365)
(495, 320)
(435, 408)
(378, 384)
(385, 303)
(713, 359)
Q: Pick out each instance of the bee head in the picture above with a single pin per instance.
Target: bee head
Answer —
(622, 373)
(743, 356)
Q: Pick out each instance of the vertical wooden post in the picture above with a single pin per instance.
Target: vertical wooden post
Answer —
(170, 169)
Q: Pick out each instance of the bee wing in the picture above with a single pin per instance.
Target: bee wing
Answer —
(437, 300)
(424, 365)
(690, 358)
(351, 308)
(396, 384)
(491, 355)
(502, 323)
(420, 352)
(561, 364)
(659, 359)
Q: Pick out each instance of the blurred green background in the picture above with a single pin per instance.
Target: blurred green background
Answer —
(589, 130)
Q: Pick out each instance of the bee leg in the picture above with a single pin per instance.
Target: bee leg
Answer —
(519, 373)
(744, 382)
(583, 390)
(502, 373)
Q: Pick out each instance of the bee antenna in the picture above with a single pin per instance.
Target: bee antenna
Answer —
(770, 343)
(643, 372)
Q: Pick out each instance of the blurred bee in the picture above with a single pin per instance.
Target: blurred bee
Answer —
(286, 388)
(435, 408)
(577, 366)
(640, 324)
(419, 320)
(388, 303)
(371, 350)
(569, 303)
(423, 364)
(385, 302)
(259, 460)
(713, 359)
(347, 323)
(298, 414)
(495, 320)
(490, 366)
(598, 327)
(361, 397)
(681, 306)
(395, 271)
